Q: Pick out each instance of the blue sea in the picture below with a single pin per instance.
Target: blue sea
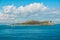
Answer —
(36, 32)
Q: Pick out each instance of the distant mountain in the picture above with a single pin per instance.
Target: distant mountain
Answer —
(34, 22)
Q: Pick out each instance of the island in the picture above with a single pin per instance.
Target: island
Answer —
(34, 22)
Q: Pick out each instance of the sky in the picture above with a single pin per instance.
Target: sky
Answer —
(14, 11)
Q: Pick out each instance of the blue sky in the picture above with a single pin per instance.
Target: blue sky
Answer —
(49, 3)
(21, 10)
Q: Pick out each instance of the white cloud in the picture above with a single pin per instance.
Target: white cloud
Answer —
(34, 7)
(12, 13)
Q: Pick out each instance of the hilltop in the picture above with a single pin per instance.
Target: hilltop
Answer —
(34, 22)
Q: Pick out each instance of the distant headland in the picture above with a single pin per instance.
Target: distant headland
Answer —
(34, 22)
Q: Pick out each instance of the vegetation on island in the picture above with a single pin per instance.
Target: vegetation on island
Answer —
(33, 22)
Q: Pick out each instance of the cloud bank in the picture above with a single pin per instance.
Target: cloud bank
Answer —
(37, 11)
(34, 7)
